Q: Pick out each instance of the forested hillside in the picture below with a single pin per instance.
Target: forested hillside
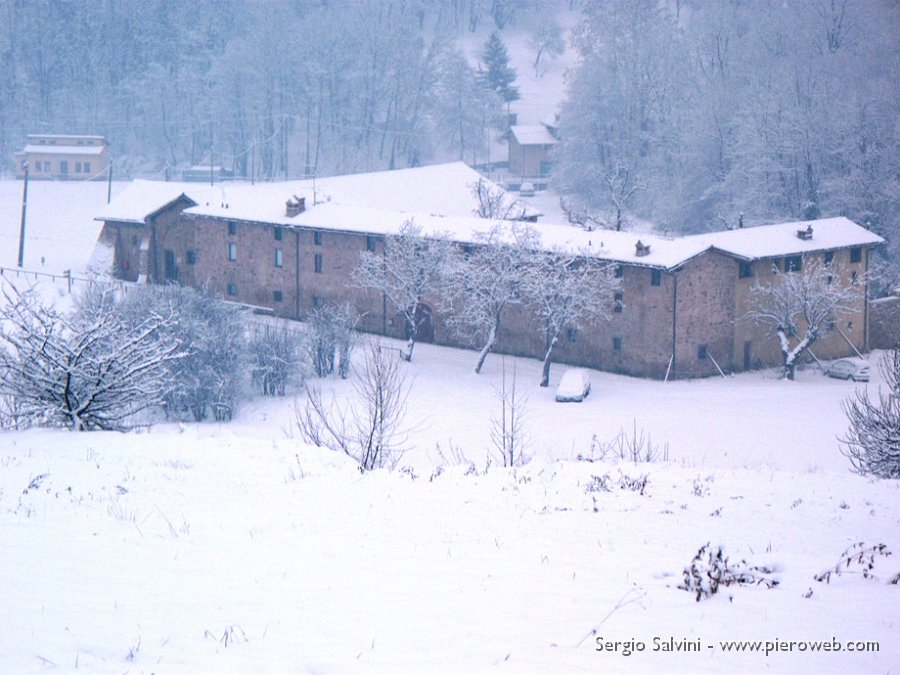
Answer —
(687, 113)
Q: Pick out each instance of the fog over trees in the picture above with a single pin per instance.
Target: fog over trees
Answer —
(714, 108)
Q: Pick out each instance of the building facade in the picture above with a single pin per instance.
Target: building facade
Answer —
(63, 157)
(681, 309)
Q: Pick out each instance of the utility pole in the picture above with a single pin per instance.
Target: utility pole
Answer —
(24, 207)
(211, 175)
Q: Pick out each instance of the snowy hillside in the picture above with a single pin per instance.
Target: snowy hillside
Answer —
(235, 548)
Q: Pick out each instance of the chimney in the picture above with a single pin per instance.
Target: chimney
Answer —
(641, 249)
(294, 206)
(805, 234)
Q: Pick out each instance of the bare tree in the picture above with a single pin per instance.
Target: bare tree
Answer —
(872, 443)
(483, 280)
(409, 269)
(578, 213)
(566, 291)
(496, 203)
(508, 434)
(370, 427)
(622, 187)
(84, 371)
(799, 305)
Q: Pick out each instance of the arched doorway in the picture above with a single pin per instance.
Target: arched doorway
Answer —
(424, 323)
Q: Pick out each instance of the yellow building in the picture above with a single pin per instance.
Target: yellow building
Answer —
(63, 157)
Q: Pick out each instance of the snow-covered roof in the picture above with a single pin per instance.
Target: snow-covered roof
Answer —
(533, 134)
(440, 201)
(605, 244)
(68, 136)
(143, 198)
(65, 149)
(441, 189)
(771, 241)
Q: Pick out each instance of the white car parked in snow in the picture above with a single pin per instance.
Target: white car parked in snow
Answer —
(848, 369)
(574, 385)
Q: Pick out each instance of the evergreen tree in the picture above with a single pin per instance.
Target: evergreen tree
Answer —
(498, 76)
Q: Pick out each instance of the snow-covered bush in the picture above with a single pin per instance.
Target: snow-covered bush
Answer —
(872, 443)
(88, 370)
(211, 335)
(711, 568)
(331, 339)
(275, 354)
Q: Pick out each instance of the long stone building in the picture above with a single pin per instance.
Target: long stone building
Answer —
(680, 310)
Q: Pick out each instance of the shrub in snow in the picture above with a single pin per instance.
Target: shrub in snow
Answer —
(369, 428)
(331, 339)
(275, 357)
(211, 334)
(91, 369)
(872, 443)
(858, 559)
(711, 568)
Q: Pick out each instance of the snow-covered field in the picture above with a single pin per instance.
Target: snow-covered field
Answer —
(60, 230)
(236, 548)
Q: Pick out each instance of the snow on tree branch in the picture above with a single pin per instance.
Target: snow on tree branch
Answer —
(409, 269)
(801, 305)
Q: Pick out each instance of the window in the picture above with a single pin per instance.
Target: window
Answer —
(745, 270)
(572, 334)
(318, 263)
(279, 233)
(317, 238)
(617, 344)
(702, 352)
(232, 289)
(829, 256)
(854, 277)
(279, 261)
(64, 166)
(191, 257)
(232, 250)
(617, 303)
(87, 167)
(856, 255)
(370, 243)
(232, 228)
(620, 271)
(277, 296)
(793, 263)
(77, 167)
(656, 277)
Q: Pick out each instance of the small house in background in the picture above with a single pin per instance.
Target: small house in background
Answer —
(204, 173)
(529, 149)
(63, 157)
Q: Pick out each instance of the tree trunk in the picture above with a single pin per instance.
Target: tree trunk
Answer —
(492, 337)
(545, 374)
